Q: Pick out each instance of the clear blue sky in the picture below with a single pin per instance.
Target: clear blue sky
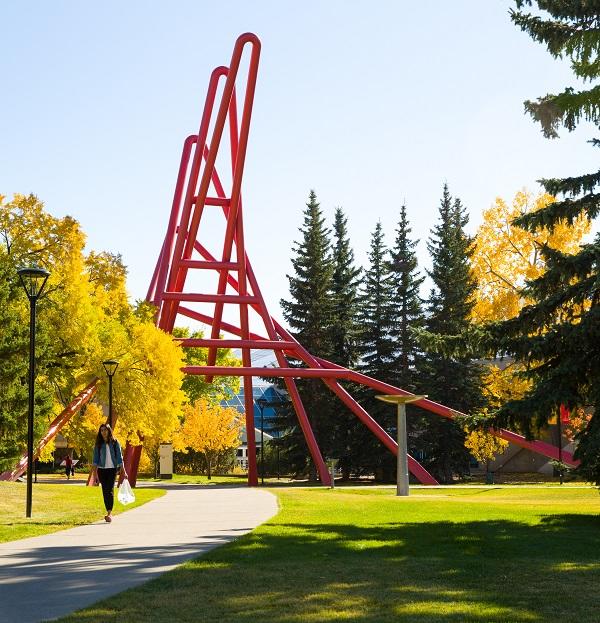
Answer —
(369, 103)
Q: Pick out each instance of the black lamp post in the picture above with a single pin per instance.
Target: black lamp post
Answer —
(33, 281)
(262, 403)
(110, 366)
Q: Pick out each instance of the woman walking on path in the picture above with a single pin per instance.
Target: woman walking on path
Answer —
(108, 458)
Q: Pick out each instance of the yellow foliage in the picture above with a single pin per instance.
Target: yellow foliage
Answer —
(47, 453)
(145, 466)
(498, 386)
(505, 256)
(484, 446)
(147, 386)
(208, 428)
(81, 431)
(502, 385)
(87, 317)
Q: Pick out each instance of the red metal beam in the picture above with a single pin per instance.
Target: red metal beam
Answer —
(177, 274)
(238, 153)
(215, 201)
(188, 342)
(168, 246)
(207, 298)
(295, 373)
(209, 265)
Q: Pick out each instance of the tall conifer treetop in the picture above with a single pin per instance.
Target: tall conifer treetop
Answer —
(344, 295)
(309, 309)
(309, 312)
(377, 314)
(409, 313)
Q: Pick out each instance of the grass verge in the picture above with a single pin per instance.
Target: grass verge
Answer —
(364, 556)
(55, 507)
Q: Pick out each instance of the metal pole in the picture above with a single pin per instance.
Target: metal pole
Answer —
(262, 456)
(110, 415)
(277, 457)
(32, 302)
(560, 471)
(402, 458)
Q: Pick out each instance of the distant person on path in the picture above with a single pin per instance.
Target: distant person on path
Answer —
(68, 466)
(108, 458)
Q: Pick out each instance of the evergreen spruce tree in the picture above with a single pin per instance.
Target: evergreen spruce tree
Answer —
(377, 349)
(558, 336)
(376, 316)
(408, 305)
(344, 296)
(309, 310)
(408, 356)
(344, 337)
(309, 313)
(453, 381)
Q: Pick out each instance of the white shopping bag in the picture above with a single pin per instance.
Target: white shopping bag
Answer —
(125, 495)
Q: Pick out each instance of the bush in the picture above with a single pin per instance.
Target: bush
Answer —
(193, 462)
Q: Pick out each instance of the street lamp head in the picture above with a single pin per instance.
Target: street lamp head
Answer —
(261, 402)
(33, 280)
(110, 365)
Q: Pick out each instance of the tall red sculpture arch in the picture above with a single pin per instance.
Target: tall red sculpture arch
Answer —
(182, 252)
(200, 188)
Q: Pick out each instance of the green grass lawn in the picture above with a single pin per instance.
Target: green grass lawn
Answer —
(55, 507)
(364, 556)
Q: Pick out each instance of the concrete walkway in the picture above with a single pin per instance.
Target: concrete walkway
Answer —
(49, 576)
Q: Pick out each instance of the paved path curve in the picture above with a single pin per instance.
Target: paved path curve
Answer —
(49, 576)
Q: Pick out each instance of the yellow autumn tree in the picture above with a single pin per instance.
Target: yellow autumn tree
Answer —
(504, 258)
(208, 429)
(148, 399)
(85, 318)
(484, 446)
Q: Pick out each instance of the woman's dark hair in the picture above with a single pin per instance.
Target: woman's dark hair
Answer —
(100, 439)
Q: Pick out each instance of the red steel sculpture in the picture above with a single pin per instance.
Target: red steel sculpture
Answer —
(199, 188)
(183, 252)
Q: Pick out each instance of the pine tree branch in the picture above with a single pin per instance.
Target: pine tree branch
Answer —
(572, 185)
(567, 109)
(567, 211)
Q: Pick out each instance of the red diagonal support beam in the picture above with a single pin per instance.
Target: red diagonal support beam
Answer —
(84, 396)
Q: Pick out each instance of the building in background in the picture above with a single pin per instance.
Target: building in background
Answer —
(260, 390)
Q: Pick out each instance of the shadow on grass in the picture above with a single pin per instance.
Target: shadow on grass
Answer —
(444, 571)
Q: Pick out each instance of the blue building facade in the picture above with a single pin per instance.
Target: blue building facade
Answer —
(266, 391)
